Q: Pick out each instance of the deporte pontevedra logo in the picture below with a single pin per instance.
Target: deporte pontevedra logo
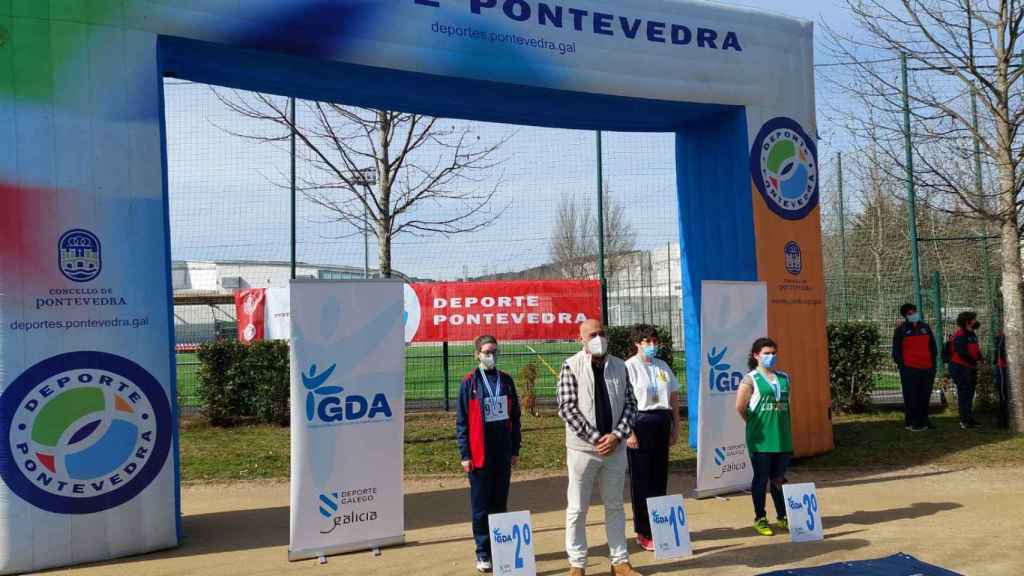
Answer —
(784, 166)
(83, 432)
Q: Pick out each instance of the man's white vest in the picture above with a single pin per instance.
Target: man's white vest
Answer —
(616, 382)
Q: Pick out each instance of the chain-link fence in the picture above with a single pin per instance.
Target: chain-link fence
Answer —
(229, 202)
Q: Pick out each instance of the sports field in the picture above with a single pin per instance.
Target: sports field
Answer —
(424, 370)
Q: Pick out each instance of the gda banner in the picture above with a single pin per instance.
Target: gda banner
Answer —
(348, 407)
(733, 315)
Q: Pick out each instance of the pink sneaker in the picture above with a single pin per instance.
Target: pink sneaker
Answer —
(645, 543)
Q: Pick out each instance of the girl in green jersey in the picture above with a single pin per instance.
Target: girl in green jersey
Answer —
(763, 403)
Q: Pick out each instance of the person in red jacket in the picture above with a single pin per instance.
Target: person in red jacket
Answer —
(963, 366)
(914, 351)
(488, 432)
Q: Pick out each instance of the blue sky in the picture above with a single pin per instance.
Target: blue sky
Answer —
(227, 200)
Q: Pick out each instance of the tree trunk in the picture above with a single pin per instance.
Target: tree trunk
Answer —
(1013, 303)
(384, 252)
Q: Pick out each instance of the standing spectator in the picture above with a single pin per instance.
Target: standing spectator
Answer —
(656, 427)
(914, 351)
(963, 366)
(596, 401)
(487, 428)
(1002, 380)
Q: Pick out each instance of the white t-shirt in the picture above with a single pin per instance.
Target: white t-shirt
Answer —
(652, 383)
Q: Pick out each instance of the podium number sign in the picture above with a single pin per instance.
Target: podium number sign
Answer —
(803, 512)
(512, 544)
(669, 528)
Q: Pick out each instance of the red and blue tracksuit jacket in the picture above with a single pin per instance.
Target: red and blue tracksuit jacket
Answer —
(913, 346)
(966, 351)
(469, 417)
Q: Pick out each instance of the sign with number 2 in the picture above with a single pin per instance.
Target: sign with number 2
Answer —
(512, 544)
(803, 512)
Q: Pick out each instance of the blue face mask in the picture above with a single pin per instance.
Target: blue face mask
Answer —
(650, 352)
(768, 360)
(914, 318)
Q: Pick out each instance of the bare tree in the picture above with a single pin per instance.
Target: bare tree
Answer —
(385, 173)
(957, 49)
(573, 247)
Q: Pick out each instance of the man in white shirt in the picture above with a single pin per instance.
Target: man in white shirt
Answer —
(655, 428)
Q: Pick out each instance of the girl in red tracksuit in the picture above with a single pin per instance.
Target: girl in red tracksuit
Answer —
(487, 428)
(963, 366)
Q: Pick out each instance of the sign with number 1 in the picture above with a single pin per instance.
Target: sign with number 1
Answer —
(803, 512)
(512, 544)
(669, 528)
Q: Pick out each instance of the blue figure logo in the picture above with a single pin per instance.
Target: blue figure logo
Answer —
(721, 378)
(314, 383)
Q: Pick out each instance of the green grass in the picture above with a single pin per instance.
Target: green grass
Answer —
(424, 369)
(863, 442)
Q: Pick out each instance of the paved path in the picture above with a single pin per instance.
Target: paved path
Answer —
(966, 520)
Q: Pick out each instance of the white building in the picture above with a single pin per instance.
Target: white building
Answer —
(198, 278)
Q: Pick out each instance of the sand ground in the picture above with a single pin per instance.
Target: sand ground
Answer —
(967, 520)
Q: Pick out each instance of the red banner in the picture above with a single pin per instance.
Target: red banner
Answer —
(520, 310)
(250, 309)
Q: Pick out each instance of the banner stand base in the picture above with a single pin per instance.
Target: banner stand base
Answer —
(295, 555)
(712, 492)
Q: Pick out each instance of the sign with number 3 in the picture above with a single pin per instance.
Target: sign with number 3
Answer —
(669, 528)
(803, 512)
(512, 544)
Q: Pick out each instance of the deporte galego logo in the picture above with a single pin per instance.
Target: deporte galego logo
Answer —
(83, 432)
(730, 458)
(347, 507)
(326, 405)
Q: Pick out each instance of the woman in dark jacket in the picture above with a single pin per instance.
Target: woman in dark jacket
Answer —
(487, 428)
(963, 366)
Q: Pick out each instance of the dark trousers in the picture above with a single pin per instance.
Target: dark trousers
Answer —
(1003, 385)
(769, 468)
(488, 494)
(648, 464)
(917, 387)
(966, 380)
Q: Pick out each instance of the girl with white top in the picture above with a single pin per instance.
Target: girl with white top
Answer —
(656, 427)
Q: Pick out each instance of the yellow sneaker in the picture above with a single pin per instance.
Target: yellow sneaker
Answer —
(762, 527)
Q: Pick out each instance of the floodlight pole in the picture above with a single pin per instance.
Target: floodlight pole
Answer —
(291, 105)
(842, 234)
(600, 233)
(915, 265)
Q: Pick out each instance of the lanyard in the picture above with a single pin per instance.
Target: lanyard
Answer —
(652, 376)
(492, 391)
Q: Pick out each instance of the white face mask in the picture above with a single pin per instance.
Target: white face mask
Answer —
(488, 361)
(598, 346)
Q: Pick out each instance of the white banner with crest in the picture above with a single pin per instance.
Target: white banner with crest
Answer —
(733, 315)
(348, 416)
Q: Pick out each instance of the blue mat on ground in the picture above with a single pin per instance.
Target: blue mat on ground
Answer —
(895, 565)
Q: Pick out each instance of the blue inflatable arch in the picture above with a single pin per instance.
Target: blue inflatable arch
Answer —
(84, 242)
